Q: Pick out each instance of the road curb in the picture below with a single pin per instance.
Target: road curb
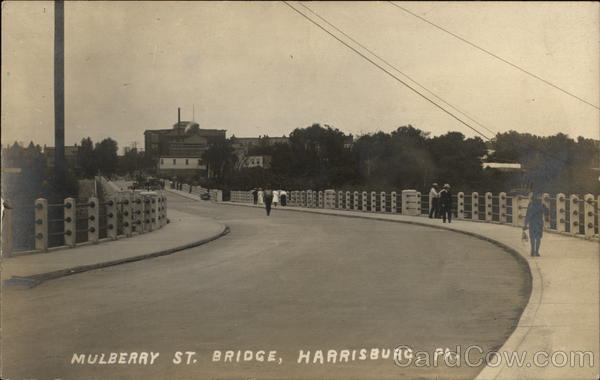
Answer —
(35, 280)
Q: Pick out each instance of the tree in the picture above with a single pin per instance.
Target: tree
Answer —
(219, 157)
(87, 159)
(106, 157)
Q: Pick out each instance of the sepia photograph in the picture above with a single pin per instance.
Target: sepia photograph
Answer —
(249, 190)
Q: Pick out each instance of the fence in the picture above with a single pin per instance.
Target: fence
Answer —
(213, 194)
(76, 221)
(572, 214)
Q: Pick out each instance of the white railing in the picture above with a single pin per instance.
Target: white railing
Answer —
(573, 214)
(72, 222)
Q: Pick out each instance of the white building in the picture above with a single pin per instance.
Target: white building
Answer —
(169, 166)
(263, 161)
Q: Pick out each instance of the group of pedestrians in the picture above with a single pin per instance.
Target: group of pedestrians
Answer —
(441, 207)
(441, 203)
(270, 198)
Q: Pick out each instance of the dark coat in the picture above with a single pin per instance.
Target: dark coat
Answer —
(446, 198)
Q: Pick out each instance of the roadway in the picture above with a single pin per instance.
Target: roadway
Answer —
(290, 283)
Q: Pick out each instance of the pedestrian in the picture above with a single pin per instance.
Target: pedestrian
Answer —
(255, 196)
(534, 219)
(446, 203)
(434, 195)
(283, 197)
(268, 194)
(275, 198)
(261, 196)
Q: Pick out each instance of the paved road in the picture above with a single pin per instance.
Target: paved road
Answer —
(290, 282)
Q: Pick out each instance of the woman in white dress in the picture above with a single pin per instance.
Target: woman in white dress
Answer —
(261, 196)
(275, 198)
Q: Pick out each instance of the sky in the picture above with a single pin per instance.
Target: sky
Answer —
(259, 68)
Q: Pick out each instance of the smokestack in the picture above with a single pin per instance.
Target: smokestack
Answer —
(178, 116)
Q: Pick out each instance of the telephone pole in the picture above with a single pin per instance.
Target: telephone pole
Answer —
(59, 99)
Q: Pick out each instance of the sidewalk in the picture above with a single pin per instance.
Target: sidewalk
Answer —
(185, 194)
(184, 231)
(563, 311)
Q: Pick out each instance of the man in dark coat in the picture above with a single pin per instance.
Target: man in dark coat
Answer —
(268, 199)
(446, 203)
(534, 219)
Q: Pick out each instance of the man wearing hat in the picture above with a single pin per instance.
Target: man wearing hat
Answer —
(446, 203)
(434, 196)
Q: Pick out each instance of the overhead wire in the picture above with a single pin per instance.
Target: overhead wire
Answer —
(396, 69)
(387, 71)
(547, 154)
(486, 51)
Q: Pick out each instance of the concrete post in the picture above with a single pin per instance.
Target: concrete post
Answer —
(154, 212)
(373, 201)
(70, 222)
(393, 203)
(502, 208)
(460, 205)
(340, 200)
(93, 220)
(138, 212)
(320, 197)
(165, 209)
(488, 207)
(41, 224)
(382, 202)
(111, 218)
(411, 200)
(147, 215)
(127, 210)
(475, 206)
(7, 228)
(588, 215)
(355, 201)
(348, 202)
(546, 202)
(303, 199)
(520, 204)
(363, 201)
(561, 214)
(574, 214)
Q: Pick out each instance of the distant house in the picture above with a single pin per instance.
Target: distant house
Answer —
(71, 156)
(181, 166)
(504, 167)
(261, 161)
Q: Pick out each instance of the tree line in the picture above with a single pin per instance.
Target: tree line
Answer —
(321, 157)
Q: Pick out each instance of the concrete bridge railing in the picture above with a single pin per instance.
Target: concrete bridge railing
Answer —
(213, 194)
(76, 221)
(571, 214)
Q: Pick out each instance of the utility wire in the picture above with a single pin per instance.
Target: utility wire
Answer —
(495, 56)
(386, 71)
(396, 69)
(547, 154)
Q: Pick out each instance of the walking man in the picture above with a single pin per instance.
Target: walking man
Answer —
(534, 219)
(434, 212)
(255, 196)
(268, 198)
(446, 203)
